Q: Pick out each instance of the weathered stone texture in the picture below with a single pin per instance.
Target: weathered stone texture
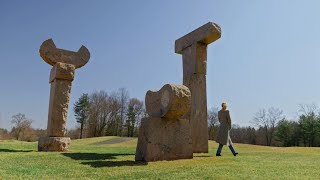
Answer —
(193, 48)
(62, 71)
(198, 115)
(205, 34)
(54, 144)
(61, 76)
(163, 139)
(194, 60)
(194, 77)
(165, 135)
(58, 107)
(52, 55)
(171, 101)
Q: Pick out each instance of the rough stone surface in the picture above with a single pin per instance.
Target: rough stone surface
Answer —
(52, 55)
(61, 76)
(194, 60)
(163, 139)
(58, 107)
(171, 101)
(60, 144)
(198, 114)
(193, 48)
(205, 34)
(164, 135)
(62, 71)
(194, 77)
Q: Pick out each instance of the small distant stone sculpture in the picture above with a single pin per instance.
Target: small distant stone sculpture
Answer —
(165, 135)
(193, 48)
(61, 76)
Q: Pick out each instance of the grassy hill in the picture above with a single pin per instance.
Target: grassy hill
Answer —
(111, 158)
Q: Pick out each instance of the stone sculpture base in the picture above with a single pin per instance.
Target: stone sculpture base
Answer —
(59, 144)
(161, 139)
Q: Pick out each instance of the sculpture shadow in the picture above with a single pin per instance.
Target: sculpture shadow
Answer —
(12, 150)
(96, 160)
(99, 164)
(93, 156)
(201, 156)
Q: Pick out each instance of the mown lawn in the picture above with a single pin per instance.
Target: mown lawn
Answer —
(91, 159)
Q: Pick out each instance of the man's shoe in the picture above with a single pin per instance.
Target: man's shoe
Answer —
(235, 154)
(218, 154)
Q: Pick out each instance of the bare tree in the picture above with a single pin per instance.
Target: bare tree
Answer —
(98, 113)
(21, 124)
(114, 118)
(213, 122)
(4, 133)
(267, 120)
(142, 115)
(307, 109)
(123, 97)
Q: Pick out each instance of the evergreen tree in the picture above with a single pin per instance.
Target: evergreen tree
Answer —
(131, 114)
(81, 111)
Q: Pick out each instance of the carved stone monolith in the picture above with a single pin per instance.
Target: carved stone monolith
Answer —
(193, 48)
(165, 135)
(61, 76)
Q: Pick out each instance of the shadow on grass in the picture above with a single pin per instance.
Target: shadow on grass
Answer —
(200, 156)
(12, 150)
(97, 160)
(99, 164)
(93, 156)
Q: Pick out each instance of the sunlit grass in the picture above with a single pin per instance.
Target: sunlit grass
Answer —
(89, 160)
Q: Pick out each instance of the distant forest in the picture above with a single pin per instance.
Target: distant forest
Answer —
(116, 114)
(271, 128)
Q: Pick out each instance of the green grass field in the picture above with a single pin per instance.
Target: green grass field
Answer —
(91, 159)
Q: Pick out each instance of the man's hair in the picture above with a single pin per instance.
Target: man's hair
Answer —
(223, 104)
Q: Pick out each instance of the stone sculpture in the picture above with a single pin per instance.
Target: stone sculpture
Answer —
(165, 134)
(61, 76)
(193, 48)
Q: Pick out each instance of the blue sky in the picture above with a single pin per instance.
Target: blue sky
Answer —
(268, 55)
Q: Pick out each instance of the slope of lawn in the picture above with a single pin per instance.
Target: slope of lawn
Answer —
(110, 158)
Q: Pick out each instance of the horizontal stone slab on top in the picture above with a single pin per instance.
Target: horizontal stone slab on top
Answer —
(52, 55)
(206, 34)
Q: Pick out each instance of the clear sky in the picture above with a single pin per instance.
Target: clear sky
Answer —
(268, 55)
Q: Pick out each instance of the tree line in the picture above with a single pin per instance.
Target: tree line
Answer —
(116, 114)
(22, 129)
(98, 114)
(270, 127)
(104, 114)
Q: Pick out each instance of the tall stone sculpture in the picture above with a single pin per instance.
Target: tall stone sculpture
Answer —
(165, 135)
(61, 76)
(193, 48)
